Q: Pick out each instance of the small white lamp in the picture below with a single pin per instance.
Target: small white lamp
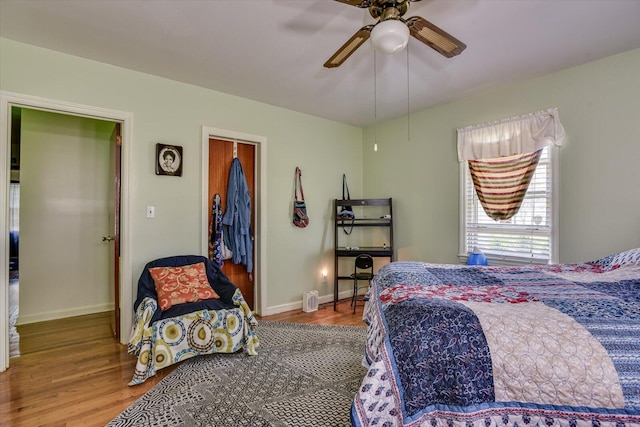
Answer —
(390, 36)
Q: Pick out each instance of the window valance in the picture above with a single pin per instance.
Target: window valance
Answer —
(516, 135)
(501, 184)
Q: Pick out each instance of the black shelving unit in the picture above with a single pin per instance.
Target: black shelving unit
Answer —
(385, 221)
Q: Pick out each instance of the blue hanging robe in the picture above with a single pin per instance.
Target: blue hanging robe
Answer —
(238, 216)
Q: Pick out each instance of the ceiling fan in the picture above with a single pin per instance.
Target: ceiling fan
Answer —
(391, 32)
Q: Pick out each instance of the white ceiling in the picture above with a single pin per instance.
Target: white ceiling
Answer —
(273, 51)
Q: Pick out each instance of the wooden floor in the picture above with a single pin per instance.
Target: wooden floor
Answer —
(71, 372)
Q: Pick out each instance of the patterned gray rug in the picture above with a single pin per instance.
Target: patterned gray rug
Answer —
(304, 375)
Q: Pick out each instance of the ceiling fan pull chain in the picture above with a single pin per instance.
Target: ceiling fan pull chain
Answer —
(408, 103)
(375, 101)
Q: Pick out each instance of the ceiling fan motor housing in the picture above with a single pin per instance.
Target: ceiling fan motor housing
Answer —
(383, 10)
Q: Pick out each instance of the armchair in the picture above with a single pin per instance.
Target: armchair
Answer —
(160, 338)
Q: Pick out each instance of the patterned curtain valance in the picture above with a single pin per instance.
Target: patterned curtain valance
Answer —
(501, 184)
(516, 135)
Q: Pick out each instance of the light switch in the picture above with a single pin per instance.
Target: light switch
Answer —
(151, 211)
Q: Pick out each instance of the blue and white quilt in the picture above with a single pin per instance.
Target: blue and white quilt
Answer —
(460, 346)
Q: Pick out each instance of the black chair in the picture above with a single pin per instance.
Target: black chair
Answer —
(363, 271)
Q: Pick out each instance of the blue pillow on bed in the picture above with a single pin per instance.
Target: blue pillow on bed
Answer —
(630, 257)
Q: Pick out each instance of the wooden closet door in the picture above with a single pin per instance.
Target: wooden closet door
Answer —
(220, 158)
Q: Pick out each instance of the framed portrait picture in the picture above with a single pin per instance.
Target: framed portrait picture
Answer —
(168, 160)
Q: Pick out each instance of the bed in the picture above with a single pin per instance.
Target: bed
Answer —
(161, 337)
(471, 346)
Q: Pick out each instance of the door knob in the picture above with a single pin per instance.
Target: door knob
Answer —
(108, 238)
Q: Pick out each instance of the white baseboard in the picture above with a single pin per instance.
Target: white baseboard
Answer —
(298, 304)
(62, 314)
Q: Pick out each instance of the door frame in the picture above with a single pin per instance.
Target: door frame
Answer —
(11, 99)
(260, 227)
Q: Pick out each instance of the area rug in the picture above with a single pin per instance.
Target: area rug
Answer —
(303, 375)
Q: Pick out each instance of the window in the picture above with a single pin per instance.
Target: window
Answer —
(530, 236)
(14, 207)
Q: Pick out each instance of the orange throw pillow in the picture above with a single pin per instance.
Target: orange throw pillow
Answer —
(177, 285)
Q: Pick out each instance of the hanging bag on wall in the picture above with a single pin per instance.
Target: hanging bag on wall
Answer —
(347, 210)
(300, 218)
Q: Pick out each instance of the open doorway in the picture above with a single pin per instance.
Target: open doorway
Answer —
(59, 209)
(9, 101)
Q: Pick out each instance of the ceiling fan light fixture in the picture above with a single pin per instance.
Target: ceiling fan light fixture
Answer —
(390, 36)
(391, 31)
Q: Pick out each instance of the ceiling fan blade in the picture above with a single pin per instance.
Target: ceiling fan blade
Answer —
(435, 37)
(349, 47)
(356, 3)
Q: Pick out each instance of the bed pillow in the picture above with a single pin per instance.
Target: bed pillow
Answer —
(178, 285)
(630, 257)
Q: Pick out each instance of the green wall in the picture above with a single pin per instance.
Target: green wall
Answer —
(599, 105)
(173, 112)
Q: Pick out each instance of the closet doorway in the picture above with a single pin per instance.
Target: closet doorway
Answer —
(221, 154)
